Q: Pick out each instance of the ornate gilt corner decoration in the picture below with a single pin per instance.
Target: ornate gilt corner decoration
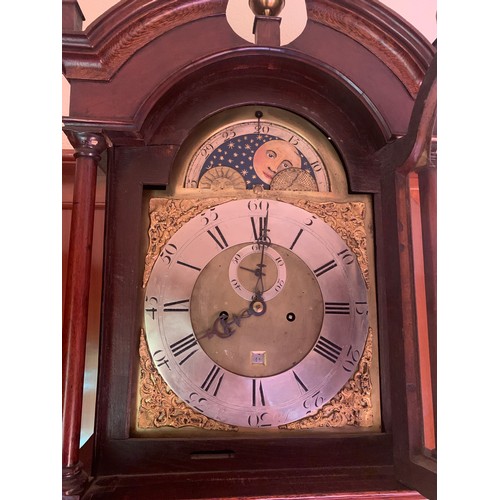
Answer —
(348, 220)
(352, 406)
(166, 217)
(158, 404)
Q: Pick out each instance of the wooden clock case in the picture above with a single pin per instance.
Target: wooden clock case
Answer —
(143, 76)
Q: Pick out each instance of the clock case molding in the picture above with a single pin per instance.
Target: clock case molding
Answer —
(143, 76)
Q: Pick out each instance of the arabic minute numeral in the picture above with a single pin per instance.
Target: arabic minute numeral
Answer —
(361, 308)
(160, 359)
(258, 205)
(312, 403)
(209, 216)
(347, 257)
(279, 285)
(196, 401)
(235, 284)
(152, 310)
(168, 251)
(258, 420)
(351, 360)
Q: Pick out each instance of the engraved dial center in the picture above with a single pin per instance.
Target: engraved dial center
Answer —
(268, 329)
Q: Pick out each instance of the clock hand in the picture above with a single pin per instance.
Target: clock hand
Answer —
(262, 242)
(257, 271)
(256, 308)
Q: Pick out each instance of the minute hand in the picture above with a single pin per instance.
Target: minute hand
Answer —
(262, 241)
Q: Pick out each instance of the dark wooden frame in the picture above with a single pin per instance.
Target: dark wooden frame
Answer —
(361, 95)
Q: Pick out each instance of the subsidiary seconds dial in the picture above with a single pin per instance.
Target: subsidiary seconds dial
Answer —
(254, 327)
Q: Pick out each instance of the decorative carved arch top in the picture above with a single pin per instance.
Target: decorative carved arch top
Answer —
(116, 36)
(380, 30)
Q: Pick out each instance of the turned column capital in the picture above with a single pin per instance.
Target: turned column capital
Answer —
(86, 144)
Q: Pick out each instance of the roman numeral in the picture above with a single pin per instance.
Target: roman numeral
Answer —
(301, 384)
(328, 349)
(176, 306)
(296, 238)
(257, 227)
(211, 378)
(337, 308)
(219, 238)
(325, 268)
(257, 394)
(188, 265)
(184, 345)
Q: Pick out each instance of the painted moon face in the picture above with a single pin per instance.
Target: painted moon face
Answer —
(273, 157)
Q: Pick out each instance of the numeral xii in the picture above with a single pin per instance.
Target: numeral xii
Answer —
(258, 225)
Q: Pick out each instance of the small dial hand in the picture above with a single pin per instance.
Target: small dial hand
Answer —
(258, 271)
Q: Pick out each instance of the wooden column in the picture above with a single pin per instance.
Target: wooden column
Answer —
(427, 177)
(88, 148)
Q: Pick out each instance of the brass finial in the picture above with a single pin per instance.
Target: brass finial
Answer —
(266, 7)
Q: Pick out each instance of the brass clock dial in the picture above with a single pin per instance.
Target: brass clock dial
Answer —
(256, 313)
(259, 146)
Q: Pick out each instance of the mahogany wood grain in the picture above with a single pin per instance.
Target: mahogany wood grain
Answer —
(88, 149)
(72, 16)
(375, 483)
(427, 178)
(267, 30)
(114, 39)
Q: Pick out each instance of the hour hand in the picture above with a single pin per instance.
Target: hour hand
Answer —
(223, 327)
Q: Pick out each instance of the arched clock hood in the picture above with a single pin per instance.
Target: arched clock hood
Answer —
(355, 56)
